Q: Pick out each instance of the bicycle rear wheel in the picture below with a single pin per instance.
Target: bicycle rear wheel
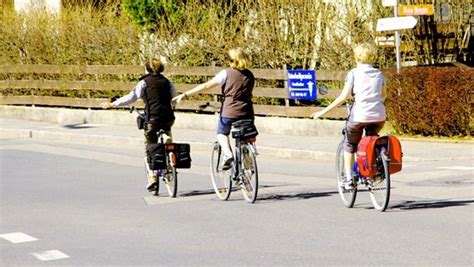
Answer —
(221, 180)
(249, 177)
(348, 196)
(170, 179)
(379, 190)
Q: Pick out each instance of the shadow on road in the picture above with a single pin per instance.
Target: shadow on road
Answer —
(411, 205)
(78, 126)
(197, 193)
(296, 196)
(211, 191)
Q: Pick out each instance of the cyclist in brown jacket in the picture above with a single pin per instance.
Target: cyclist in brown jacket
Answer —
(237, 83)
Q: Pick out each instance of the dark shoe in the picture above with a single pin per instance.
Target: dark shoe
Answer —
(237, 181)
(226, 164)
(151, 187)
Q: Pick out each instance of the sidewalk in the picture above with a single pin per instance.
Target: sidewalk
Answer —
(275, 145)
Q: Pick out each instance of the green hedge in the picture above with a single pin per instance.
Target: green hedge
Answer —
(296, 34)
(431, 100)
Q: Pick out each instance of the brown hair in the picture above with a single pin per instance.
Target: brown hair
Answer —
(155, 65)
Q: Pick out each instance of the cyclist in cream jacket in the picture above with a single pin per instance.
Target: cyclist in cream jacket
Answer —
(366, 85)
(237, 83)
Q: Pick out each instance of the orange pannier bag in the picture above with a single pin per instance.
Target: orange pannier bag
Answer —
(366, 156)
(395, 154)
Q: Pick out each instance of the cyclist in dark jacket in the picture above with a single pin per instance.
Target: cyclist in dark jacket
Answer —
(156, 91)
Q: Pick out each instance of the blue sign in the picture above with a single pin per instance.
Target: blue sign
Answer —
(302, 84)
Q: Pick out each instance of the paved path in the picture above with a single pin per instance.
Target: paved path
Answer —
(283, 146)
(73, 204)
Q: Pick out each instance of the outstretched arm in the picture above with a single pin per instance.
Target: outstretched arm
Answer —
(207, 85)
(128, 98)
(345, 94)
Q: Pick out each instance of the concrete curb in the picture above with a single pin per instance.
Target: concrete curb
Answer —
(278, 126)
(92, 139)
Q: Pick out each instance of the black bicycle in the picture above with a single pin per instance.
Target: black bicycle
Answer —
(163, 164)
(243, 172)
(161, 161)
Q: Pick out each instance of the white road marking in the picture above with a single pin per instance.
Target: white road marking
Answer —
(458, 168)
(50, 255)
(18, 237)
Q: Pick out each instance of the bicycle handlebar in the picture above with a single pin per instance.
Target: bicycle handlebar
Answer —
(203, 106)
(207, 105)
(133, 108)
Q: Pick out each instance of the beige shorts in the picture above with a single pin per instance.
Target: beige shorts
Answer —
(354, 131)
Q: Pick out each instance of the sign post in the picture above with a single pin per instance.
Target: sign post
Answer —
(397, 38)
(302, 84)
(395, 24)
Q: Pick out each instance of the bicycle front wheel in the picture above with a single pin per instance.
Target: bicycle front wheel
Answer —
(348, 196)
(249, 177)
(170, 178)
(379, 189)
(221, 179)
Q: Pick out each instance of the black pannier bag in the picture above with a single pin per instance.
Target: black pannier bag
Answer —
(183, 156)
(141, 121)
(156, 156)
(243, 129)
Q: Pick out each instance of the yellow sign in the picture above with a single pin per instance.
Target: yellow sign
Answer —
(415, 10)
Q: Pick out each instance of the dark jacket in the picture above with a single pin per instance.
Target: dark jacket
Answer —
(157, 98)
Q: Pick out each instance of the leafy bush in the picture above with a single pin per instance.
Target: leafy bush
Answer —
(431, 100)
(153, 14)
(296, 34)
(80, 35)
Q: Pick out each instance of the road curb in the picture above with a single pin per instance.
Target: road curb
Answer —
(93, 139)
(15, 133)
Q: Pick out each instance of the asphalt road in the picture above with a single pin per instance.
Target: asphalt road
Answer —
(75, 205)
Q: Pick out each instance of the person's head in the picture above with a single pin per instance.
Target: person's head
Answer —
(365, 53)
(154, 65)
(239, 59)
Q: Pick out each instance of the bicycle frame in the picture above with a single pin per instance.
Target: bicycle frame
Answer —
(242, 173)
(236, 164)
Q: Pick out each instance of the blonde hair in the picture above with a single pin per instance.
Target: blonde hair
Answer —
(365, 53)
(239, 59)
(156, 65)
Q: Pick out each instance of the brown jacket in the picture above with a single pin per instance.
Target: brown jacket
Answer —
(237, 92)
